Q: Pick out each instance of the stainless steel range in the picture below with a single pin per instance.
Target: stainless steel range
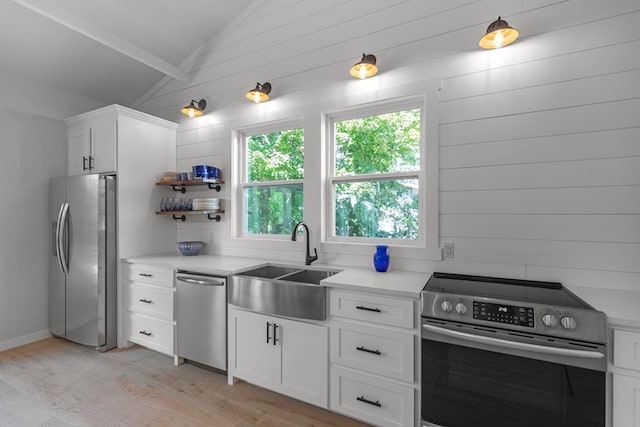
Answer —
(499, 351)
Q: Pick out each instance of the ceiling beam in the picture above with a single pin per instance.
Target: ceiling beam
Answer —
(110, 40)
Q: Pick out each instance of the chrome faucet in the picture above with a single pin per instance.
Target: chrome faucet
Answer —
(308, 259)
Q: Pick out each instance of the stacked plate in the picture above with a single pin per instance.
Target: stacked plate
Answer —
(210, 204)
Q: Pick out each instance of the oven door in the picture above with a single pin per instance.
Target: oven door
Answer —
(482, 377)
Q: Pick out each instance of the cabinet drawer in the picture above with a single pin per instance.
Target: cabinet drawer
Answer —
(152, 333)
(151, 300)
(150, 274)
(375, 350)
(371, 399)
(626, 349)
(372, 308)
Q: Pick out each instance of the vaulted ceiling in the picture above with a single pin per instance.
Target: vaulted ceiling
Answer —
(111, 51)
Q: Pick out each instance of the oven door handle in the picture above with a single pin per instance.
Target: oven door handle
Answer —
(556, 351)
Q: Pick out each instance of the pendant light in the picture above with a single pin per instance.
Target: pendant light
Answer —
(194, 109)
(499, 34)
(365, 68)
(260, 93)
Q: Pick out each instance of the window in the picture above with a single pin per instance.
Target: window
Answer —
(375, 174)
(271, 181)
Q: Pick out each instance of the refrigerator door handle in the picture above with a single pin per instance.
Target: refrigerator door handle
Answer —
(60, 230)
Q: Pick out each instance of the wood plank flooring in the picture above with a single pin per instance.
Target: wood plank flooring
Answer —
(57, 383)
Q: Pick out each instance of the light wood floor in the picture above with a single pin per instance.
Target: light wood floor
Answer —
(56, 383)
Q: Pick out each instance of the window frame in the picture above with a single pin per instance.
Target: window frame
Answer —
(241, 137)
(331, 179)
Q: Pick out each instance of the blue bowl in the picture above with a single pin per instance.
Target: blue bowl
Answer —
(213, 172)
(200, 171)
(190, 248)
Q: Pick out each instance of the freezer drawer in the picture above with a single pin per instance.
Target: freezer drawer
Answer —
(201, 316)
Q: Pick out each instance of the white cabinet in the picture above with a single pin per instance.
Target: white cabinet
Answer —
(626, 378)
(287, 356)
(150, 299)
(137, 148)
(374, 345)
(92, 147)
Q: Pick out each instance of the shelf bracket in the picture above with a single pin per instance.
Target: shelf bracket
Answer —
(217, 218)
(213, 186)
(181, 189)
(180, 217)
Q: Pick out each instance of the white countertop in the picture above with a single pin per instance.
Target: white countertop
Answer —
(622, 307)
(394, 283)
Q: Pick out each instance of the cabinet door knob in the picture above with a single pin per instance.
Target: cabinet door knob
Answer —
(146, 301)
(148, 334)
(84, 163)
(275, 334)
(145, 275)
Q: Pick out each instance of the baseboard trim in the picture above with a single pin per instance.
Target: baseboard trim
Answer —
(25, 339)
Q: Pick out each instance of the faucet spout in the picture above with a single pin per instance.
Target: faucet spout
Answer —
(308, 258)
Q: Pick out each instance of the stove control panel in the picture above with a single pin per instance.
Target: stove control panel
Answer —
(502, 313)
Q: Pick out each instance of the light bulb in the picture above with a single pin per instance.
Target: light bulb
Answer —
(499, 39)
(192, 112)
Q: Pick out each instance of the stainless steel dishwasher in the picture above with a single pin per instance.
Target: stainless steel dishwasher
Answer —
(201, 315)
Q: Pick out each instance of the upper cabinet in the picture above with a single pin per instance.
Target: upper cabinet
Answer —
(92, 145)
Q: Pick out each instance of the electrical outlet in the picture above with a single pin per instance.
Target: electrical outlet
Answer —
(447, 250)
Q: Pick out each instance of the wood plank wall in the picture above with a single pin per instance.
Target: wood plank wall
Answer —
(539, 143)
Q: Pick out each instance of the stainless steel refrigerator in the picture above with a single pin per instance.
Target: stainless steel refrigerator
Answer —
(82, 289)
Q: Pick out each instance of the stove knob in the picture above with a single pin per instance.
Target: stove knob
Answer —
(549, 320)
(461, 308)
(568, 322)
(446, 306)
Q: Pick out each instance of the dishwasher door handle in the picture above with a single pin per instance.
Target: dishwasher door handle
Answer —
(199, 282)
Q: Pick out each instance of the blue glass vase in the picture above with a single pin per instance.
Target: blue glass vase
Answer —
(381, 258)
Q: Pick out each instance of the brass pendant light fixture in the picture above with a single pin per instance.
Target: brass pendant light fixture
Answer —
(499, 34)
(365, 68)
(260, 93)
(194, 109)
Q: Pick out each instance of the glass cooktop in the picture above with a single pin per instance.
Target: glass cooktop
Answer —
(551, 293)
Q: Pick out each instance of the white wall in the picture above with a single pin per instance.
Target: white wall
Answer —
(539, 148)
(33, 150)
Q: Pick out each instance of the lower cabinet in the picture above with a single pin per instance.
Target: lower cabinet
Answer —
(149, 298)
(626, 378)
(284, 355)
(374, 348)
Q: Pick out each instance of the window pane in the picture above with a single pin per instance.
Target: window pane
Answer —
(273, 209)
(275, 156)
(378, 144)
(383, 209)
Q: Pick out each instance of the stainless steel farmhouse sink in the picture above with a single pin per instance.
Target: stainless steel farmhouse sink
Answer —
(281, 290)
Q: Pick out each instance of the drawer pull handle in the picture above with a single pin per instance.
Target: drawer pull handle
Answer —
(366, 350)
(362, 307)
(145, 333)
(146, 301)
(146, 275)
(370, 402)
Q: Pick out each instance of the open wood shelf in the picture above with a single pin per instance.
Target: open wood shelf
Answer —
(212, 214)
(181, 186)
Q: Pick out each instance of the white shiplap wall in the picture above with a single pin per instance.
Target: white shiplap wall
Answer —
(539, 143)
